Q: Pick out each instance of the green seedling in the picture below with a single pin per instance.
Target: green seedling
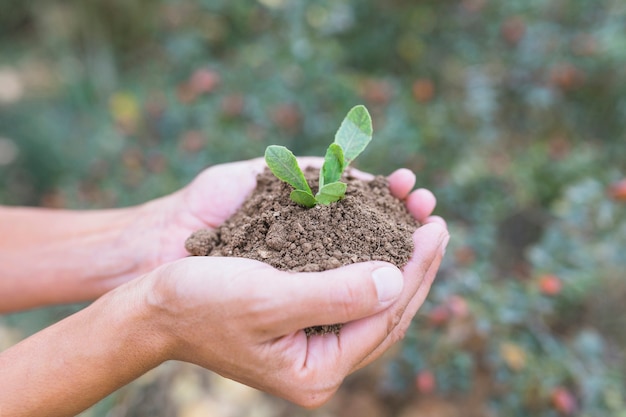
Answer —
(351, 139)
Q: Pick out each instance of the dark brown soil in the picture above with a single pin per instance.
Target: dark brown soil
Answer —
(368, 224)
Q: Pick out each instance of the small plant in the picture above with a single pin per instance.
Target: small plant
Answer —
(351, 139)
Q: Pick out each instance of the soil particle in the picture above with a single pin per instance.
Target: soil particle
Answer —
(368, 224)
(201, 242)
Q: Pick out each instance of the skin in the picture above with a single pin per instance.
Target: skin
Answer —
(237, 317)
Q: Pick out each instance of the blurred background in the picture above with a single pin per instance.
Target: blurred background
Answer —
(512, 112)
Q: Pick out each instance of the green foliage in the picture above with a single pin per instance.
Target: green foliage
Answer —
(351, 139)
(303, 198)
(283, 163)
(330, 193)
(511, 112)
(355, 133)
(334, 164)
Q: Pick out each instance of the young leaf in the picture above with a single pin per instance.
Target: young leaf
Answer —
(284, 165)
(303, 198)
(331, 192)
(333, 165)
(354, 133)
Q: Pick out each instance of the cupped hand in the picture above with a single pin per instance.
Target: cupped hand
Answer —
(209, 200)
(218, 192)
(244, 319)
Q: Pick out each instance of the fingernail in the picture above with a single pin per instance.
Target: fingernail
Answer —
(389, 283)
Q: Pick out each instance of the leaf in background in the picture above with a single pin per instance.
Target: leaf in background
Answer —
(333, 165)
(303, 198)
(284, 165)
(331, 192)
(354, 133)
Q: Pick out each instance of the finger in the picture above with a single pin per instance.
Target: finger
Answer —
(336, 296)
(421, 204)
(401, 182)
(362, 337)
(407, 316)
(414, 269)
(436, 219)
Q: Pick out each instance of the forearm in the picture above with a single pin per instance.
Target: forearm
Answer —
(78, 361)
(25, 227)
(62, 256)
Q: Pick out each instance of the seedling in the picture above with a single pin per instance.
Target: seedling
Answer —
(351, 139)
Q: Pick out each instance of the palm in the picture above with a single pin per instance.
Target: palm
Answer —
(220, 190)
(216, 194)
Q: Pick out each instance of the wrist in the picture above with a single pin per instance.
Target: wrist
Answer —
(139, 322)
(156, 310)
(167, 305)
(158, 231)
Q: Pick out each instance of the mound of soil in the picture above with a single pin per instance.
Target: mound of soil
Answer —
(368, 224)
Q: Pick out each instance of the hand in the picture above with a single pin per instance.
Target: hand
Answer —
(216, 194)
(244, 319)
(236, 316)
(209, 200)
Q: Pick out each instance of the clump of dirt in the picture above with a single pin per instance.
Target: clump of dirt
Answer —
(368, 224)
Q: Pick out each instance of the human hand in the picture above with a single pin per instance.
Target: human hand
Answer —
(217, 192)
(160, 227)
(236, 316)
(243, 318)
(209, 200)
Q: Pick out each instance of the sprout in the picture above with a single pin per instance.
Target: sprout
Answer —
(351, 139)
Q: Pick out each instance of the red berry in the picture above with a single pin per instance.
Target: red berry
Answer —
(550, 284)
(204, 81)
(457, 306)
(563, 401)
(566, 76)
(423, 90)
(287, 116)
(425, 382)
(377, 91)
(617, 191)
(439, 315)
(513, 29)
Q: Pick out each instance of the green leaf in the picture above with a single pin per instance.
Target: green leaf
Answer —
(284, 165)
(331, 192)
(333, 165)
(354, 133)
(303, 198)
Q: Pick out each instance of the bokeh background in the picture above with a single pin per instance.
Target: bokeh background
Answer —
(512, 112)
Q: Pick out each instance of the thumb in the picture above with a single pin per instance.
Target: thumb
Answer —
(337, 296)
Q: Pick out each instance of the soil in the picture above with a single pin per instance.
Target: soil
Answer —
(368, 224)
